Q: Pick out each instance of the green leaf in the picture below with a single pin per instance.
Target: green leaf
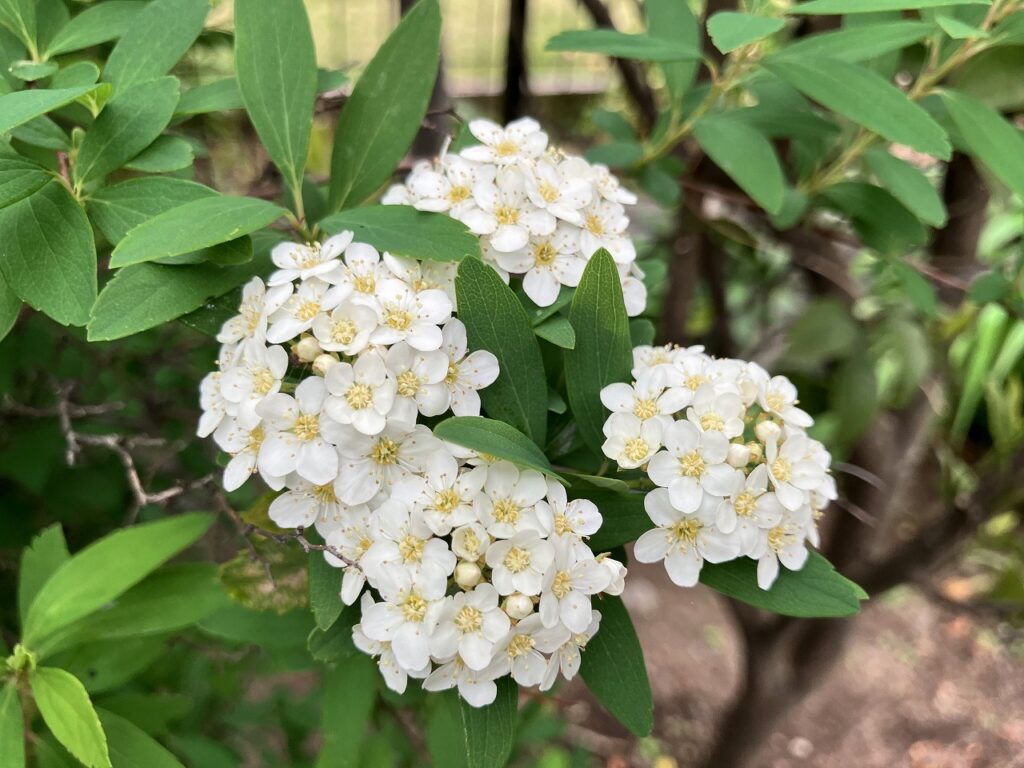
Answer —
(189, 227)
(47, 254)
(131, 747)
(673, 20)
(864, 97)
(10, 308)
(624, 518)
(47, 552)
(383, 114)
(989, 137)
(404, 231)
(496, 321)
(641, 332)
(918, 289)
(610, 42)
(335, 642)
(349, 694)
(879, 218)
(958, 30)
(558, 331)
(276, 69)
(617, 154)
(107, 568)
(863, 42)
(119, 208)
(613, 668)
(105, 666)
(96, 24)
(991, 328)
(729, 30)
(68, 713)
(746, 156)
(20, 178)
(443, 731)
(238, 624)
(42, 132)
(30, 71)
(21, 106)
(219, 96)
(603, 353)
(128, 124)
(12, 733)
(908, 185)
(988, 287)
(495, 438)
(874, 6)
(490, 731)
(817, 590)
(158, 36)
(19, 16)
(324, 591)
(823, 331)
(167, 153)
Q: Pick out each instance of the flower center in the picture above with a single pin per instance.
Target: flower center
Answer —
(506, 148)
(385, 451)
(344, 331)
(469, 619)
(549, 192)
(562, 584)
(506, 511)
(307, 310)
(636, 449)
(779, 537)
(408, 384)
(359, 396)
(364, 544)
(256, 436)
(544, 254)
(453, 373)
(251, 314)
(471, 542)
(365, 284)
(782, 470)
(507, 214)
(712, 422)
(775, 401)
(325, 494)
(685, 531)
(562, 525)
(411, 549)
(520, 645)
(517, 560)
(593, 224)
(399, 319)
(645, 409)
(445, 501)
(694, 381)
(458, 193)
(745, 504)
(262, 381)
(414, 608)
(691, 464)
(307, 427)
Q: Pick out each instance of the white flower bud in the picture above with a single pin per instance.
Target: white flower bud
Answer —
(467, 575)
(766, 430)
(756, 451)
(307, 349)
(518, 605)
(738, 456)
(323, 363)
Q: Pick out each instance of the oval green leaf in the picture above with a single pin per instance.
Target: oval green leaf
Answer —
(746, 156)
(158, 36)
(730, 30)
(21, 106)
(404, 231)
(132, 747)
(490, 731)
(495, 438)
(989, 137)
(97, 24)
(69, 714)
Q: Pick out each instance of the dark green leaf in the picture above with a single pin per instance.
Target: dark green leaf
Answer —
(68, 713)
(20, 178)
(990, 138)
(558, 331)
(12, 734)
(349, 693)
(641, 332)
(30, 71)
(918, 289)
(121, 207)
(40, 560)
(158, 36)
(131, 747)
(42, 132)
(495, 438)
(167, 153)
(746, 156)
(238, 624)
(729, 30)
(490, 731)
(107, 665)
(96, 24)
(324, 591)
(624, 517)
(383, 114)
(444, 737)
(908, 185)
(10, 307)
(610, 42)
(613, 668)
(404, 231)
(880, 219)
(335, 642)
(863, 42)
(988, 287)
(853, 396)
(22, 106)
(874, 6)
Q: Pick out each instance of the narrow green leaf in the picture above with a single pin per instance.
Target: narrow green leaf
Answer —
(69, 714)
(729, 30)
(496, 321)
(817, 590)
(558, 330)
(874, 6)
(131, 747)
(490, 731)
(12, 732)
(189, 227)
(383, 114)
(167, 153)
(349, 693)
(673, 20)
(908, 185)
(21, 106)
(880, 219)
(611, 42)
(218, 96)
(613, 668)
(989, 137)
(495, 438)
(746, 156)
(47, 254)
(19, 16)
(96, 24)
(603, 353)
(990, 330)
(863, 42)
(276, 69)
(864, 97)
(404, 231)
(158, 36)
(324, 591)
(958, 30)
(121, 207)
(129, 123)
(106, 569)
(10, 308)
(20, 178)
(47, 552)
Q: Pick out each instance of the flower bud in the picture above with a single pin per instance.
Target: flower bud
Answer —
(467, 575)
(756, 453)
(307, 349)
(767, 430)
(323, 363)
(738, 455)
(518, 605)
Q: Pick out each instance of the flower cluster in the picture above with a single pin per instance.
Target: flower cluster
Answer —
(725, 444)
(478, 569)
(540, 213)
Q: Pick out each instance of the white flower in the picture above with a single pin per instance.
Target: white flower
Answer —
(466, 373)
(470, 624)
(693, 463)
(683, 540)
(562, 189)
(576, 518)
(505, 213)
(608, 186)
(568, 585)
(568, 657)
(257, 305)
(630, 441)
(362, 394)
(362, 269)
(714, 412)
(634, 290)
(549, 262)
(749, 508)
(470, 542)
(508, 504)
(374, 464)
(410, 316)
(353, 539)
(604, 226)
(520, 654)
(520, 140)
(405, 540)
(293, 441)
(616, 575)
(258, 374)
(243, 443)
(419, 377)
(305, 504)
(212, 402)
(406, 617)
(647, 398)
(779, 397)
(792, 471)
(476, 687)
(446, 495)
(346, 329)
(785, 543)
(298, 313)
(519, 564)
(301, 262)
(395, 675)
(448, 188)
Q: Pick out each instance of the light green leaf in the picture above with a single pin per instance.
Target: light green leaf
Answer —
(729, 30)
(96, 24)
(131, 747)
(990, 330)
(158, 36)
(958, 30)
(495, 438)
(617, 154)
(496, 321)
(47, 254)
(611, 42)
(989, 137)
(603, 353)
(189, 227)
(47, 552)
(119, 208)
(490, 731)
(558, 331)
(107, 568)
(167, 153)
(21, 106)
(12, 732)
(383, 114)
(68, 713)
(613, 668)
(349, 693)
(673, 20)
(874, 6)
(863, 42)
(864, 97)
(746, 156)
(908, 185)
(76, 74)
(817, 590)
(30, 71)
(920, 292)
(19, 16)
(129, 123)
(10, 307)
(404, 231)
(276, 69)
(324, 590)
(20, 178)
